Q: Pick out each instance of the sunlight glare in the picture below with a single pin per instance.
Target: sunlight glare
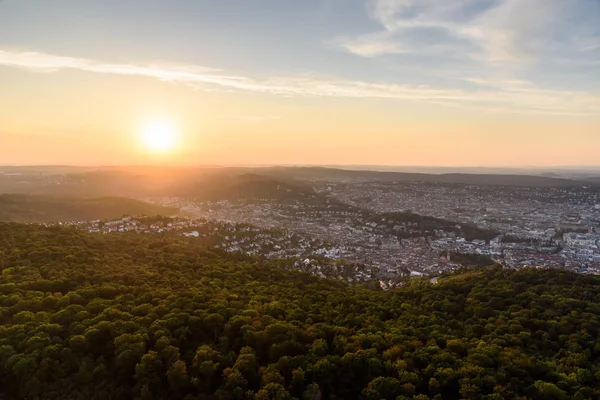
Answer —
(159, 135)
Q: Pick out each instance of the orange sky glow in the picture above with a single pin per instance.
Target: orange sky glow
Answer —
(76, 90)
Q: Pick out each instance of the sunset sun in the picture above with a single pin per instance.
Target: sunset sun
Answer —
(159, 136)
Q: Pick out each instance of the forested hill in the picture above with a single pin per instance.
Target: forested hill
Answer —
(250, 187)
(86, 316)
(30, 208)
(336, 174)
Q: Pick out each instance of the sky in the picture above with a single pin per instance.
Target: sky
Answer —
(327, 82)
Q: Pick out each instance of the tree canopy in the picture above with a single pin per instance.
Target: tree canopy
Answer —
(122, 316)
(40, 209)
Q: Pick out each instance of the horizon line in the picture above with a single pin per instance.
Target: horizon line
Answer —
(297, 165)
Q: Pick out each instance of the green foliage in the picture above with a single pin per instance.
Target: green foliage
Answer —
(40, 209)
(550, 391)
(427, 224)
(471, 260)
(128, 316)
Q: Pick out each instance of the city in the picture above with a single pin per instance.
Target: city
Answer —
(391, 226)
(378, 224)
(398, 228)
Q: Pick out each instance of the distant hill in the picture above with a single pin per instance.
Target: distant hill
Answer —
(308, 173)
(233, 183)
(39, 209)
(252, 187)
(200, 183)
(592, 179)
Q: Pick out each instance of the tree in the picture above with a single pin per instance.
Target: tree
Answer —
(550, 391)
(382, 388)
(178, 378)
(312, 392)
(272, 391)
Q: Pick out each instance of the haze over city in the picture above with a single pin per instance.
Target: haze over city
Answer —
(331, 82)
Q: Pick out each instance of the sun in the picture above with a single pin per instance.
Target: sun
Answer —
(159, 136)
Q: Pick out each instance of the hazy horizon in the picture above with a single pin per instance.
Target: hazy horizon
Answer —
(499, 169)
(301, 165)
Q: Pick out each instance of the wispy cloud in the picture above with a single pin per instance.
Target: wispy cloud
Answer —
(372, 44)
(514, 97)
(497, 30)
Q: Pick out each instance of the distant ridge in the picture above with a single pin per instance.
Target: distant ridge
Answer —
(450, 178)
(236, 182)
(593, 179)
(252, 186)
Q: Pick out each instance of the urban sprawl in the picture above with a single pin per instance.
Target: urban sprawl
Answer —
(360, 230)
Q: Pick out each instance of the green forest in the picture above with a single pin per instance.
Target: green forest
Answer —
(41, 209)
(427, 223)
(126, 316)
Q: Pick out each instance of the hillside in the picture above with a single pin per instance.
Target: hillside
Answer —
(86, 316)
(450, 178)
(200, 183)
(252, 187)
(428, 224)
(28, 208)
(233, 183)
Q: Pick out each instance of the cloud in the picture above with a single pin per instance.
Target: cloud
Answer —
(486, 94)
(517, 30)
(500, 31)
(371, 45)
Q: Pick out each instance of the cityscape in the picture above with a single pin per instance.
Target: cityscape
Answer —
(394, 229)
(516, 227)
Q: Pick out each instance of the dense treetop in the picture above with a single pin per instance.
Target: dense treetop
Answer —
(86, 316)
